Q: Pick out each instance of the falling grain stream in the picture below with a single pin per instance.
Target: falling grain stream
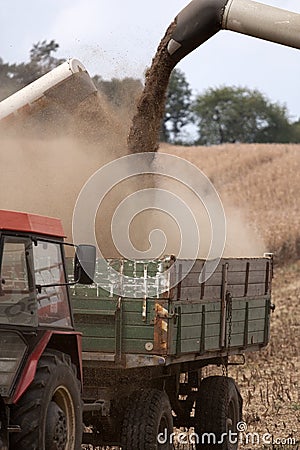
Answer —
(144, 131)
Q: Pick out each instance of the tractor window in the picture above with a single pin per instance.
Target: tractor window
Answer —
(53, 306)
(17, 295)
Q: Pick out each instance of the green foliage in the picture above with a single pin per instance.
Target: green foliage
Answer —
(177, 110)
(41, 56)
(15, 76)
(120, 93)
(295, 132)
(224, 114)
(236, 114)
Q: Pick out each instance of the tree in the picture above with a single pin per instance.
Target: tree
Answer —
(41, 56)
(120, 93)
(237, 114)
(7, 84)
(296, 132)
(177, 110)
(15, 76)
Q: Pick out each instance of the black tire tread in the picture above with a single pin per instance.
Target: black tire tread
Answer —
(211, 407)
(140, 420)
(27, 412)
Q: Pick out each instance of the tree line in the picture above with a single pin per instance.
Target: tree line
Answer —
(218, 115)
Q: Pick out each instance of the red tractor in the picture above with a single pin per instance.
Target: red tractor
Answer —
(40, 352)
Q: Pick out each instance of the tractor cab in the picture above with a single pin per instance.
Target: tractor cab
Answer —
(34, 284)
(33, 289)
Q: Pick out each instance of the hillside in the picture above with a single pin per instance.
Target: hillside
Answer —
(261, 184)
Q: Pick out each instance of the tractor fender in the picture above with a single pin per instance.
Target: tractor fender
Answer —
(66, 341)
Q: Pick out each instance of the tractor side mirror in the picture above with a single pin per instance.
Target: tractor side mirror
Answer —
(85, 264)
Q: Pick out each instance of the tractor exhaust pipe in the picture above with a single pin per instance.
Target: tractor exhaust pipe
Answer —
(201, 19)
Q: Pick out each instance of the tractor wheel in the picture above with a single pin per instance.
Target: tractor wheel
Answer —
(148, 422)
(217, 412)
(4, 424)
(50, 411)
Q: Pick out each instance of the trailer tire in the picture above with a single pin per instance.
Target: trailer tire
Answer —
(50, 411)
(218, 410)
(148, 421)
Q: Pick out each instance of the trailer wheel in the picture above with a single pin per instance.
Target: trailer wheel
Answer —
(217, 412)
(148, 421)
(50, 411)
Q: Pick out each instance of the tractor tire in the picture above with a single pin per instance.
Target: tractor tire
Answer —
(50, 411)
(217, 412)
(148, 422)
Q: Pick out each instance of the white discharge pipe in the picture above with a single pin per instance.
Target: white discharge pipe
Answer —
(262, 21)
(45, 86)
(202, 19)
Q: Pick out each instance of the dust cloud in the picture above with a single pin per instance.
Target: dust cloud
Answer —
(46, 158)
(44, 164)
(45, 175)
(241, 239)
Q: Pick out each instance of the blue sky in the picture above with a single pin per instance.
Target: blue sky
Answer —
(117, 39)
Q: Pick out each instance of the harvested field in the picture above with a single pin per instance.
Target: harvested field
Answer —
(261, 183)
(270, 381)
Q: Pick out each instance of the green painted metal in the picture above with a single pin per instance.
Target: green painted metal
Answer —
(191, 324)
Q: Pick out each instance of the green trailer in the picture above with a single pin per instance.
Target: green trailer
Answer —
(190, 320)
(149, 327)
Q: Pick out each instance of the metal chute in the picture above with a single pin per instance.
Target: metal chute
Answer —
(201, 19)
